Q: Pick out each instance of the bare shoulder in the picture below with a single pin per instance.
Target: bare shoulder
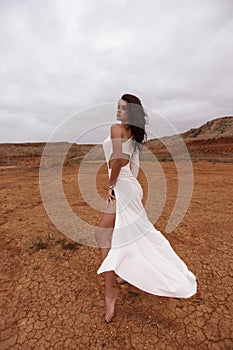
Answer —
(116, 131)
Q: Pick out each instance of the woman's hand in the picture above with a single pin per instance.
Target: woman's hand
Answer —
(111, 195)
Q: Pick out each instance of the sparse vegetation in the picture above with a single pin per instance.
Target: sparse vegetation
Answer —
(39, 243)
(68, 244)
(214, 160)
(166, 158)
(196, 132)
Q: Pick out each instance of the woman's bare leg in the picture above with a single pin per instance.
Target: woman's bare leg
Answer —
(103, 238)
(120, 280)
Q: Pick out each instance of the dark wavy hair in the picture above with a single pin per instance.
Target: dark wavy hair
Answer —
(137, 119)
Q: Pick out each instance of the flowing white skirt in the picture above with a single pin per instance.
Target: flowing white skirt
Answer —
(139, 253)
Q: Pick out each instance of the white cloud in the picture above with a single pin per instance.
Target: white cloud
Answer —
(58, 57)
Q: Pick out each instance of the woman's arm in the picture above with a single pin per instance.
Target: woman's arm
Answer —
(117, 155)
(135, 163)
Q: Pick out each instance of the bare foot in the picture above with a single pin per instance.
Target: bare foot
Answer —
(110, 307)
(120, 280)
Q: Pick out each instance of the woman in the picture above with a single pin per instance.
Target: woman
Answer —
(130, 246)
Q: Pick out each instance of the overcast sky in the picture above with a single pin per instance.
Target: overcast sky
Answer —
(64, 64)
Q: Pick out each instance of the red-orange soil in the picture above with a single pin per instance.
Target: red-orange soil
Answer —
(52, 298)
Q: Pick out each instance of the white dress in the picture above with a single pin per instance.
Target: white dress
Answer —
(139, 253)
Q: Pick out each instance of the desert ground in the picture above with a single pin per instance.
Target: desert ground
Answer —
(52, 297)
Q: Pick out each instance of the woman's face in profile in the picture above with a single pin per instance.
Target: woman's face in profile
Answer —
(122, 114)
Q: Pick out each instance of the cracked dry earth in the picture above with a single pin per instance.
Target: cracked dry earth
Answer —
(52, 298)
